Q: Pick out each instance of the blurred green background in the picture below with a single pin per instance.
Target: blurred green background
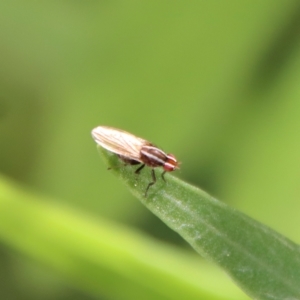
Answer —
(216, 83)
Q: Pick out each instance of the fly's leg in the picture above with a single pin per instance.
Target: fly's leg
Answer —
(152, 182)
(163, 176)
(137, 172)
(139, 169)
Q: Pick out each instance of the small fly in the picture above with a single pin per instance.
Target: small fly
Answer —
(134, 150)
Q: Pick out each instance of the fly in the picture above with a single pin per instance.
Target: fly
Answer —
(134, 150)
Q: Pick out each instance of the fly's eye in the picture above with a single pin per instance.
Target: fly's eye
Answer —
(171, 163)
(168, 167)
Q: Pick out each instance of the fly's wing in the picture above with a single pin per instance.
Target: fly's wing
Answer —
(119, 142)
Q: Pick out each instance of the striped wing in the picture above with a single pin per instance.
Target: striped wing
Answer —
(119, 142)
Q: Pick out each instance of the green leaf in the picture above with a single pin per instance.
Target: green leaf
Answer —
(265, 264)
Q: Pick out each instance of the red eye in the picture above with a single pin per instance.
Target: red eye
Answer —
(171, 163)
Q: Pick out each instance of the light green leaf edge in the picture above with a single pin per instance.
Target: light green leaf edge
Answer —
(265, 264)
(101, 257)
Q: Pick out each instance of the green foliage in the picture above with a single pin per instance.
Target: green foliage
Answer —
(264, 263)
